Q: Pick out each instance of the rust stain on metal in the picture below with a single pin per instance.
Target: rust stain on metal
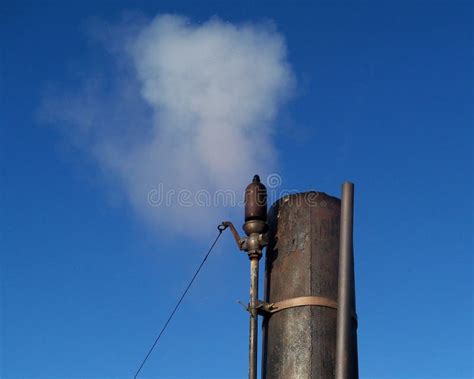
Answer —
(301, 261)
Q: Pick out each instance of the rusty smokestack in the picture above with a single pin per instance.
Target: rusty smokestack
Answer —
(309, 319)
(301, 278)
(301, 285)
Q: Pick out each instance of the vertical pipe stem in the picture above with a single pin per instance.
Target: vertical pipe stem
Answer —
(345, 286)
(253, 330)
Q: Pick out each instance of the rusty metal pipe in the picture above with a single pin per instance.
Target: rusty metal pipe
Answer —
(346, 340)
(253, 327)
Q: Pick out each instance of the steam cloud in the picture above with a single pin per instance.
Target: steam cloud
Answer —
(189, 107)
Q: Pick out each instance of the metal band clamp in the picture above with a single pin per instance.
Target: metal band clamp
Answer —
(298, 302)
(319, 301)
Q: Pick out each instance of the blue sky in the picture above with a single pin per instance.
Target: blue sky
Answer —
(383, 97)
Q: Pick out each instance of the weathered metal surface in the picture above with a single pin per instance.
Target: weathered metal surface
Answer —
(301, 260)
(255, 225)
(253, 325)
(346, 346)
(256, 201)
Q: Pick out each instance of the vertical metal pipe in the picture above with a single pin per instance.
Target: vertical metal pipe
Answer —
(253, 329)
(346, 368)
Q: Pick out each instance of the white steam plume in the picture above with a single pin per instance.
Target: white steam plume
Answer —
(191, 109)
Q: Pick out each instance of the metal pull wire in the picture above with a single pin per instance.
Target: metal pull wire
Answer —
(220, 228)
